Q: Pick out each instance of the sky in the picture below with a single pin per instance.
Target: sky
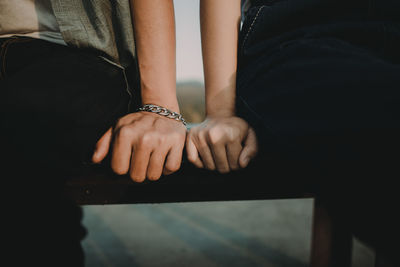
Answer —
(188, 46)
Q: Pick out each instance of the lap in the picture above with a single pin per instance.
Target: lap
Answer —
(318, 72)
(324, 103)
(321, 80)
(69, 97)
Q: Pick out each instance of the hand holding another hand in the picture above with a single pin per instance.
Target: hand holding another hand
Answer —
(221, 143)
(145, 145)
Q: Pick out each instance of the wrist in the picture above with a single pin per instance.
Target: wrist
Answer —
(168, 101)
(220, 103)
(218, 110)
(220, 114)
(174, 107)
(163, 112)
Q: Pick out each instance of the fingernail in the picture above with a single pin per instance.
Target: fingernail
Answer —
(246, 160)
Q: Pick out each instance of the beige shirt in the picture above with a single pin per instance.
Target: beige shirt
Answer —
(33, 18)
(102, 26)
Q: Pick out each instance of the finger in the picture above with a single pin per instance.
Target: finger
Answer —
(250, 149)
(220, 158)
(102, 147)
(139, 163)
(206, 156)
(192, 153)
(233, 152)
(121, 154)
(156, 164)
(173, 160)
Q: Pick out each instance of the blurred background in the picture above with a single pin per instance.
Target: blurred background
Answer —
(238, 233)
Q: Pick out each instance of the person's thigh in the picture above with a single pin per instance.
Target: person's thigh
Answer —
(54, 109)
(68, 99)
(333, 108)
(323, 99)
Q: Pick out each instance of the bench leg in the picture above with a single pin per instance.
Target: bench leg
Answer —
(331, 244)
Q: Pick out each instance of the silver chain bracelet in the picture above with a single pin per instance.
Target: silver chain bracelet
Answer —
(163, 112)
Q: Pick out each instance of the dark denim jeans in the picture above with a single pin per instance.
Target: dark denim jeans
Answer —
(56, 102)
(320, 82)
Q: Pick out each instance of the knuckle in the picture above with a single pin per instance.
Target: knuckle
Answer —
(179, 136)
(233, 135)
(162, 139)
(120, 122)
(214, 135)
(147, 140)
(124, 132)
(169, 139)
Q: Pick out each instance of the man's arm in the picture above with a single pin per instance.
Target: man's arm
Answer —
(223, 141)
(154, 26)
(146, 144)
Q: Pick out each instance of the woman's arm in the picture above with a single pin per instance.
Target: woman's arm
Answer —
(219, 35)
(223, 141)
(147, 144)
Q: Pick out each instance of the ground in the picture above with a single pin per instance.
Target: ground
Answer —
(239, 233)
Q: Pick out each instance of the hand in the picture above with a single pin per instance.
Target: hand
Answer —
(143, 144)
(222, 143)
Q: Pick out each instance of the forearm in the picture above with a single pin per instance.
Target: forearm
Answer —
(219, 29)
(154, 27)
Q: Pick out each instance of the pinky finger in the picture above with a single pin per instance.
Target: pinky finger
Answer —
(173, 160)
(193, 154)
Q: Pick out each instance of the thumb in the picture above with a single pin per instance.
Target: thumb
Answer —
(250, 148)
(102, 147)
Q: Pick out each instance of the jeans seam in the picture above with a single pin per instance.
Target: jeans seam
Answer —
(251, 27)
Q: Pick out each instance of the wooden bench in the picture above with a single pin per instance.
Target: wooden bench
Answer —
(331, 242)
